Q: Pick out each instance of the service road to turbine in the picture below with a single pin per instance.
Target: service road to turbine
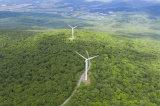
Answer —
(79, 82)
(84, 75)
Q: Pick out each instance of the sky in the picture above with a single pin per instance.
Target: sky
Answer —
(100, 0)
(30, 1)
(124, 0)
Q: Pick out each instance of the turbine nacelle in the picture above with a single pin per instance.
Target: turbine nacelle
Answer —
(86, 60)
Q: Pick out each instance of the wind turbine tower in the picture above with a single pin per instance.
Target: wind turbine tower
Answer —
(86, 61)
(72, 30)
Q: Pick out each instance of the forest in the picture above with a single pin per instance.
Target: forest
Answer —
(38, 69)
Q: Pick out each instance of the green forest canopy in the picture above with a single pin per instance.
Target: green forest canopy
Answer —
(43, 69)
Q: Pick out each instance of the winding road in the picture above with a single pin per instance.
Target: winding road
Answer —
(79, 82)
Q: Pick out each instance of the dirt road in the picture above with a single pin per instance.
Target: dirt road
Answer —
(79, 82)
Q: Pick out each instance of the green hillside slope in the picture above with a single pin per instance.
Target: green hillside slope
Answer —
(43, 69)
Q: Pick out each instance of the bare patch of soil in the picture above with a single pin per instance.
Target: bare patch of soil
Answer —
(71, 38)
(86, 81)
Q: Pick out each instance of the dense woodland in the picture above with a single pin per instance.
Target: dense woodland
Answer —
(43, 69)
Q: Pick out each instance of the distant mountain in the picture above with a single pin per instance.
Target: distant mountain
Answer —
(115, 5)
(153, 10)
(81, 5)
(32, 2)
(13, 2)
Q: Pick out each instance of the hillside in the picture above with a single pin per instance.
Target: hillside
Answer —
(43, 69)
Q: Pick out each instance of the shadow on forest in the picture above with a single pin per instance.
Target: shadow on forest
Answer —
(141, 56)
(140, 35)
(131, 54)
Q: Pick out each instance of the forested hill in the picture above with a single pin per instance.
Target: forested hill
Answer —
(43, 69)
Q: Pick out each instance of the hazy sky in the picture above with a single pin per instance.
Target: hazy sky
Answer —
(152, 0)
(100, 0)
(124, 0)
(11, 1)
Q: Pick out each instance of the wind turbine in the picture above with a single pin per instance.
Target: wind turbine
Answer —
(86, 60)
(72, 30)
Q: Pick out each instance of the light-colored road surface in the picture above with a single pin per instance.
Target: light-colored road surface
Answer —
(79, 82)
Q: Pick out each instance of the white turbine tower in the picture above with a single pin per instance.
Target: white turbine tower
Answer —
(86, 60)
(72, 30)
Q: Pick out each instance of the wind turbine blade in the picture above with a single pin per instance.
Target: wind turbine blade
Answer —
(80, 55)
(88, 60)
(93, 57)
(75, 26)
(87, 54)
(69, 26)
